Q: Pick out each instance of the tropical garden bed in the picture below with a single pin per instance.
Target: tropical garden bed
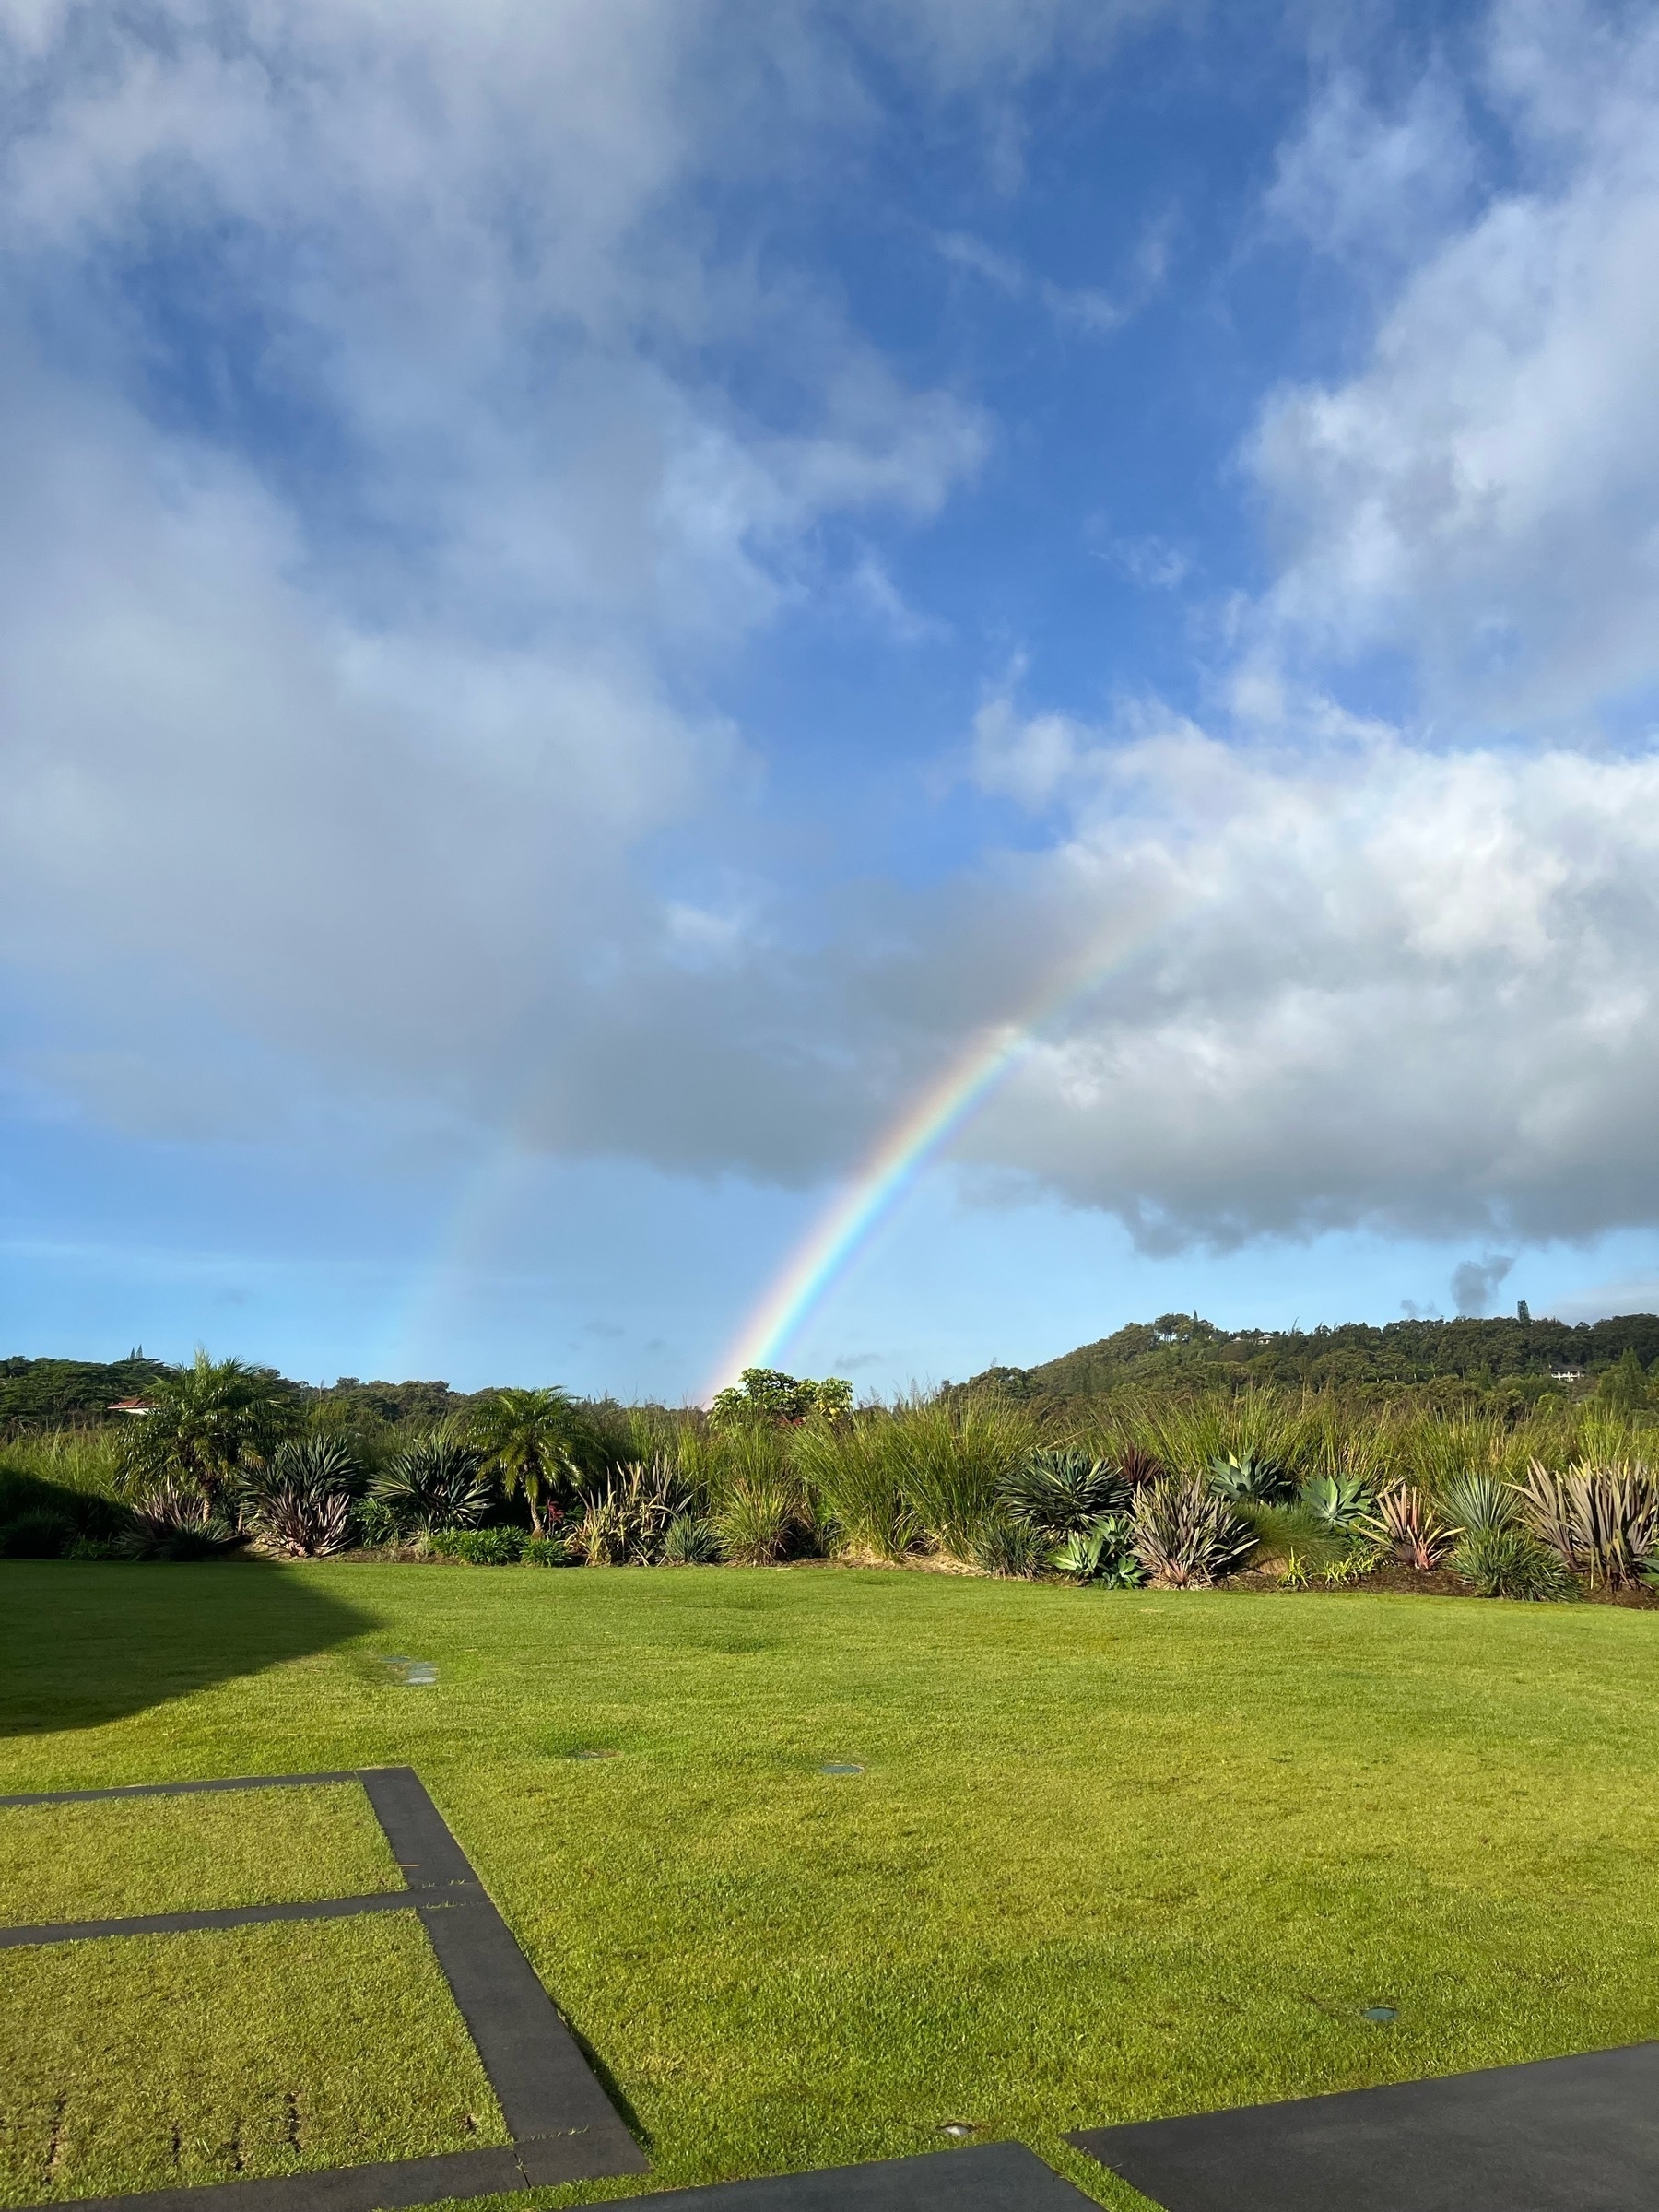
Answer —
(1547, 1500)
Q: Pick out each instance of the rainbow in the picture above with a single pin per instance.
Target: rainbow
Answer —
(895, 1162)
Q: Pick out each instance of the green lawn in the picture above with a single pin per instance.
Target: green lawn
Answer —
(151, 2061)
(1112, 1855)
(176, 1855)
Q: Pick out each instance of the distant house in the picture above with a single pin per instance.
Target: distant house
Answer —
(133, 1406)
(1566, 1374)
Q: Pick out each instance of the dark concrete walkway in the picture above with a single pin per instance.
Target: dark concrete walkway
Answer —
(1564, 2135)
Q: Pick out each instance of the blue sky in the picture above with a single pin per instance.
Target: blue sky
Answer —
(590, 594)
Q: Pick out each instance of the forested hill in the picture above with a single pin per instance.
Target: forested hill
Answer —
(1180, 1345)
(50, 1394)
(45, 1393)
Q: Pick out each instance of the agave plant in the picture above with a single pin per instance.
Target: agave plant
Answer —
(1185, 1536)
(1338, 1503)
(1600, 1520)
(435, 1482)
(1244, 1475)
(1101, 1553)
(1404, 1522)
(1062, 1493)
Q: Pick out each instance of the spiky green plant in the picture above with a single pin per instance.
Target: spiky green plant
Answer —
(1504, 1560)
(1404, 1521)
(1059, 1491)
(630, 1519)
(1338, 1503)
(1474, 1502)
(434, 1481)
(1185, 1536)
(689, 1542)
(1008, 1549)
(1601, 1521)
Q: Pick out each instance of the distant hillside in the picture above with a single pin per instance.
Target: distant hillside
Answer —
(70, 1393)
(1180, 1345)
(78, 1394)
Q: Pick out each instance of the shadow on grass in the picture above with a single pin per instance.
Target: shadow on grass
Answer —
(84, 1643)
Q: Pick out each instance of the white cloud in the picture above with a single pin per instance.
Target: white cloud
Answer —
(1358, 177)
(380, 500)
(1482, 495)
(1397, 989)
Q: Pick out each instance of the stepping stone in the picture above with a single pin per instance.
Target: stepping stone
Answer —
(1562, 2134)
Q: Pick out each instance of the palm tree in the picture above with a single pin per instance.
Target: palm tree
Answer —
(527, 1438)
(210, 1420)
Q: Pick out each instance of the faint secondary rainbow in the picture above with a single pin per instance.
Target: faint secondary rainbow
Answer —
(892, 1166)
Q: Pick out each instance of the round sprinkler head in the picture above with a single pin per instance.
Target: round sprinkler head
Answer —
(1380, 2015)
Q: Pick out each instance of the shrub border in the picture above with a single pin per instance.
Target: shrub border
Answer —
(562, 2125)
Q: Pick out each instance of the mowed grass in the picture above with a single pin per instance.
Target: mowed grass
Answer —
(149, 2062)
(115, 1858)
(1111, 1854)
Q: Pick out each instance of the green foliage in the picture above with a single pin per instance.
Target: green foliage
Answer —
(759, 1523)
(528, 1440)
(1239, 1475)
(44, 1532)
(172, 1520)
(1479, 1504)
(855, 1470)
(434, 1482)
(1625, 1386)
(54, 1393)
(545, 1551)
(376, 1523)
(954, 1455)
(1102, 1552)
(1061, 1492)
(1338, 1502)
(1405, 1524)
(213, 1422)
(1181, 1352)
(299, 1503)
(628, 1520)
(1290, 1532)
(481, 1547)
(689, 1541)
(1507, 1560)
(766, 1394)
(1601, 1521)
(1009, 1548)
(1185, 1536)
